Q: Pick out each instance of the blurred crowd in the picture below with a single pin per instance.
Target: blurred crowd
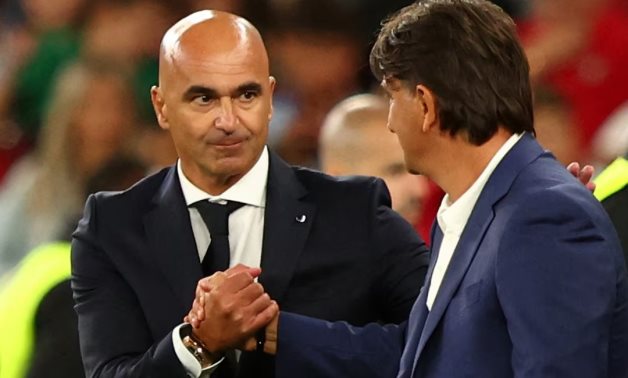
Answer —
(75, 78)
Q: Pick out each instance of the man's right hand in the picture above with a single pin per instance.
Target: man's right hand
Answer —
(230, 307)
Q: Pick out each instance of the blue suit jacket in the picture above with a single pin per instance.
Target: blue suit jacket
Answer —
(135, 265)
(536, 288)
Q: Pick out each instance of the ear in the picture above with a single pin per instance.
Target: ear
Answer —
(427, 102)
(272, 81)
(159, 105)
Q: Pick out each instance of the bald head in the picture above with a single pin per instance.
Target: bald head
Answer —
(211, 37)
(350, 130)
(355, 140)
(214, 96)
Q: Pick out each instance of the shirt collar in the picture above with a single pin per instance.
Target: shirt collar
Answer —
(250, 189)
(452, 217)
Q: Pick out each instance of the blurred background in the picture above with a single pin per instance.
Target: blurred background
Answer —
(75, 78)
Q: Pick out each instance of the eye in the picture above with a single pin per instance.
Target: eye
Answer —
(203, 100)
(248, 96)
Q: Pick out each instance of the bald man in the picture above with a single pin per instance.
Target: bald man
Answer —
(328, 248)
(355, 141)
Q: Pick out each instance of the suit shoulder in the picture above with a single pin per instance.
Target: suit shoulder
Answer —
(320, 181)
(547, 194)
(549, 185)
(139, 193)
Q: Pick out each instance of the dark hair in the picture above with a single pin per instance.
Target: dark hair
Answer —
(468, 54)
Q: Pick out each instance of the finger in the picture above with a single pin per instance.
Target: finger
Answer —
(259, 304)
(199, 289)
(254, 272)
(195, 306)
(574, 168)
(263, 318)
(585, 174)
(213, 281)
(200, 314)
(236, 269)
(250, 293)
(236, 282)
(193, 321)
(249, 344)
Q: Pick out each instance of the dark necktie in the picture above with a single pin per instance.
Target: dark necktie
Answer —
(216, 217)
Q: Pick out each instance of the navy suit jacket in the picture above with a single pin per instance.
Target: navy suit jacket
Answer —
(536, 288)
(135, 265)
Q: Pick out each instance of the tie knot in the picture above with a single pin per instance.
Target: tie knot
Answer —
(216, 216)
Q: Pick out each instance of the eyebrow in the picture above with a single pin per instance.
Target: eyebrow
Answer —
(200, 90)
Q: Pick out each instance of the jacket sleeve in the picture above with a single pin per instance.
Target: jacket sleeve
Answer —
(317, 348)
(113, 333)
(560, 277)
(401, 256)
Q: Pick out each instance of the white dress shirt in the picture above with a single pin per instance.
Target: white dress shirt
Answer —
(246, 231)
(453, 217)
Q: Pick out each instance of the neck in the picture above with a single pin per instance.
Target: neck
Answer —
(218, 185)
(210, 183)
(461, 163)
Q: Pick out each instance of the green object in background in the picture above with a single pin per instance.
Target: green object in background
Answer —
(146, 75)
(612, 179)
(36, 79)
(20, 296)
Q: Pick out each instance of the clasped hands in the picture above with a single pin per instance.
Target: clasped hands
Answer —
(230, 308)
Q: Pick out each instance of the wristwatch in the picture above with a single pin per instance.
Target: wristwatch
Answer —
(197, 349)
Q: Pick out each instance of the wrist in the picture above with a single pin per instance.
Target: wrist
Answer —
(197, 348)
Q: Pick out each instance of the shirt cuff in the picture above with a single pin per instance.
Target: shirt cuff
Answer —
(189, 362)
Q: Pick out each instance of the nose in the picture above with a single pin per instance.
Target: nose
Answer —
(226, 119)
(389, 125)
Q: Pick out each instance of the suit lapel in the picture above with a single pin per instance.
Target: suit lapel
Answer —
(171, 240)
(522, 154)
(419, 313)
(287, 223)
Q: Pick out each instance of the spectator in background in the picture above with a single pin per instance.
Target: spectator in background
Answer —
(37, 319)
(355, 141)
(556, 129)
(91, 119)
(126, 34)
(317, 58)
(32, 53)
(34, 47)
(579, 47)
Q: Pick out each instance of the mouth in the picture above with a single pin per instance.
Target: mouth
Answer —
(227, 145)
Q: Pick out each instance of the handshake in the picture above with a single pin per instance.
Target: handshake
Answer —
(230, 308)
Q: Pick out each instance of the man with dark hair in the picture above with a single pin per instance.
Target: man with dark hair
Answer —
(527, 276)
